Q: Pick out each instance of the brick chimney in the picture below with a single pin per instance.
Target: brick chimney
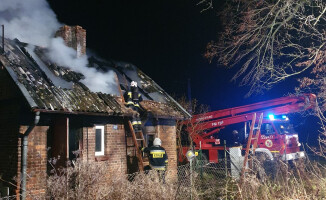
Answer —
(75, 37)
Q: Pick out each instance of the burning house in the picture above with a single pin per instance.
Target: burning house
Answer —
(51, 110)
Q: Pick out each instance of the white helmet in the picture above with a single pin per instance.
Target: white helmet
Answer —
(133, 84)
(157, 142)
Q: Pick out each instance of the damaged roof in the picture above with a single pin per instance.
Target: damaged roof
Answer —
(51, 88)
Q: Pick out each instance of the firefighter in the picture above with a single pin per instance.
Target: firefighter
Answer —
(132, 98)
(235, 139)
(158, 158)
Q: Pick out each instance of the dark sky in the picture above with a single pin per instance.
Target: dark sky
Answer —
(165, 39)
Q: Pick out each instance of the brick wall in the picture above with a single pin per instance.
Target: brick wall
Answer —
(167, 133)
(75, 37)
(88, 151)
(115, 147)
(36, 161)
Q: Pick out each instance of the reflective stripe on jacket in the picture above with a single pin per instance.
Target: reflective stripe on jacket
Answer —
(158, 157)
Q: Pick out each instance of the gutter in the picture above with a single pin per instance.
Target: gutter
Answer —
(24, 150)
(83, 113)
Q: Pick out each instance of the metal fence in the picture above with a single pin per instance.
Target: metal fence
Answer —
(196, 180)
(201, 179)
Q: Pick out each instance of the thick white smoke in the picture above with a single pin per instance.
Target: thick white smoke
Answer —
(33, 21)
(94, 80)
(30, 21)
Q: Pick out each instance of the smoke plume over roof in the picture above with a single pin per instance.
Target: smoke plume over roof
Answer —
(33, 21)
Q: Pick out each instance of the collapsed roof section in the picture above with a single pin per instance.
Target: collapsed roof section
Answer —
(52, 88)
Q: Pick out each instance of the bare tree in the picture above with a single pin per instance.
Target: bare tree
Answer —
(272, 40)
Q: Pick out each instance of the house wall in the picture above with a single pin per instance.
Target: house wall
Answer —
(9, 122)
(116, 143)
(115, 147)
(166, 131)
(36, 162)
(9, 146)
(59, 141)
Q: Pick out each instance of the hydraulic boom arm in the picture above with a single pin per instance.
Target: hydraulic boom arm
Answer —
(205, 125)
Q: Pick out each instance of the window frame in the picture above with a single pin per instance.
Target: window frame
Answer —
(100, 153)
(263, 129)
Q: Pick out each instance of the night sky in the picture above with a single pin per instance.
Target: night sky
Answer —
(166, 40)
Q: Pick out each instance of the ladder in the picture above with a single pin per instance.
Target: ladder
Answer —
(138, 141)
(250, 138)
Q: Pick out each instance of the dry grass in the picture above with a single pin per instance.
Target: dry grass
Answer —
(290, 181)
(82, 180)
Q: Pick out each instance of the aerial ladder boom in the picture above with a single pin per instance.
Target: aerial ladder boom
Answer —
(288, 104)
(222, 118)
(201, 128)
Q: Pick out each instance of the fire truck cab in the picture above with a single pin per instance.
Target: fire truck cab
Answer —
(279, 137)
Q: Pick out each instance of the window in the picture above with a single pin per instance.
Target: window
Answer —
(267, 129)
(150, 140)
(99, 140)
(284, 128)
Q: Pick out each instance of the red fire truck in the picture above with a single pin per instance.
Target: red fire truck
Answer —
(277, 137)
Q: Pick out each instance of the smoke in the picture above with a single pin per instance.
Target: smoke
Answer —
(94, 80)
(30, 21)
(33, 21)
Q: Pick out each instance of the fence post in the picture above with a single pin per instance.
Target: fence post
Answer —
(191, 179)
(201, 160)
(225, 160)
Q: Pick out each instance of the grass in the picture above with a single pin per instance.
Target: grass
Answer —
(82, 180)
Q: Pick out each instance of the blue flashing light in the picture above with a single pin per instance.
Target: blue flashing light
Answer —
(271, 117)
(284, 117)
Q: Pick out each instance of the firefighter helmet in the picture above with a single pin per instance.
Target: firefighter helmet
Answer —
(133, 84)
(157, 142)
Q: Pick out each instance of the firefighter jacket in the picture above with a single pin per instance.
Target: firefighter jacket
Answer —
(158, 158)
(133, 97)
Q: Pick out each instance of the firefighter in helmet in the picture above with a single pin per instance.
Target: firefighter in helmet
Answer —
(132, 98)
(158, 158)
(235, 139)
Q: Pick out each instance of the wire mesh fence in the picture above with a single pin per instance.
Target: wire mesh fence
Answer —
(10, 197)
(28, 196)
(198, 179)
(201, 179)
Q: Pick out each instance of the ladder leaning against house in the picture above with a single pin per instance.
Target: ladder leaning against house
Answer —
(137, 137)
(139, 140)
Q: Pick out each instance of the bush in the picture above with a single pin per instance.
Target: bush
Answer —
(89, 180)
